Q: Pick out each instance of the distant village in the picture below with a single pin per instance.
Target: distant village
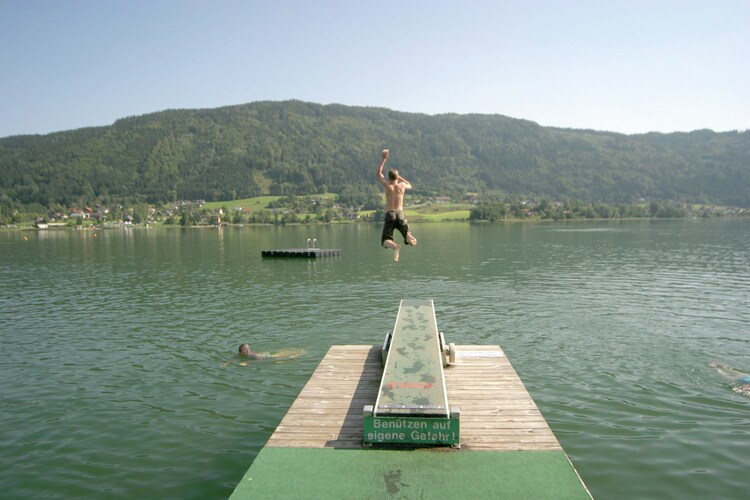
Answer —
(192, 212)
(102, 215)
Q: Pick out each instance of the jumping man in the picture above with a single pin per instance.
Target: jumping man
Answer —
(395, 187)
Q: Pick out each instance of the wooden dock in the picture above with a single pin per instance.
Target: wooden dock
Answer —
(507, 450)
(309, 253)
(497, 412)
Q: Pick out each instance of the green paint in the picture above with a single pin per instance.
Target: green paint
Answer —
(330, 473)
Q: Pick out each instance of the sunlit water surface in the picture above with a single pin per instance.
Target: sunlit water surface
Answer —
(120, 376)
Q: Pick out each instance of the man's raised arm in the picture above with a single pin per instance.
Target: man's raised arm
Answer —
(384, 158)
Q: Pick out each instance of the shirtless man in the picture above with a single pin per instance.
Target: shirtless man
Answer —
(395, 187)
(247, 352)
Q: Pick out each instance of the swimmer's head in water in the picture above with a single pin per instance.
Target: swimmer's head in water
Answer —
(245, 350)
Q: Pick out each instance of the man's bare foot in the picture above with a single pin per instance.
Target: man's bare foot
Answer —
(411, 239)
(396, 251)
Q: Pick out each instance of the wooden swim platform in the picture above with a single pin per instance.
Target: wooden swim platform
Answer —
(310, 253)
(507, 450)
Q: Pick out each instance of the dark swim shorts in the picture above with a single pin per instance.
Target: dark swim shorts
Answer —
(394, 220)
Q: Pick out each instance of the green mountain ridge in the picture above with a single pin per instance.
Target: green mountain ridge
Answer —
(294, 147)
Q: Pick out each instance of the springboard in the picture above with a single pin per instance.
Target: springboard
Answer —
(412, 403)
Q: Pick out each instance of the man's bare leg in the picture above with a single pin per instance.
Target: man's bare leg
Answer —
(395, 246)
(411, 239)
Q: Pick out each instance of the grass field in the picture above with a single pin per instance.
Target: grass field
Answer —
(257, 203)
(438, 216)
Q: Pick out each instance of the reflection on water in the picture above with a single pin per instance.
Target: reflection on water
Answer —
(117, 345)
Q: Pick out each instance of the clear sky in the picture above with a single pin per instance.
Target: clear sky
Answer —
(627, 66)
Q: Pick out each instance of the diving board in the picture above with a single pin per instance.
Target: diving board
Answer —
(412, 403)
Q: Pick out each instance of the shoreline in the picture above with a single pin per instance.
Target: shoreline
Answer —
(160, 225)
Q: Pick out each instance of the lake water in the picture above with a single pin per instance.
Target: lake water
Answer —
(120, 376)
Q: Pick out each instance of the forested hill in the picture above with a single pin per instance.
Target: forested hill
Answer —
(302, 148)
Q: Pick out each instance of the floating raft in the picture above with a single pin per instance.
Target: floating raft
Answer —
(507, 450)
(308, 253)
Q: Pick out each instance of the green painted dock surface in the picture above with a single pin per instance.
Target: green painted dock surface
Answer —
(330, 473)
(507, 448)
